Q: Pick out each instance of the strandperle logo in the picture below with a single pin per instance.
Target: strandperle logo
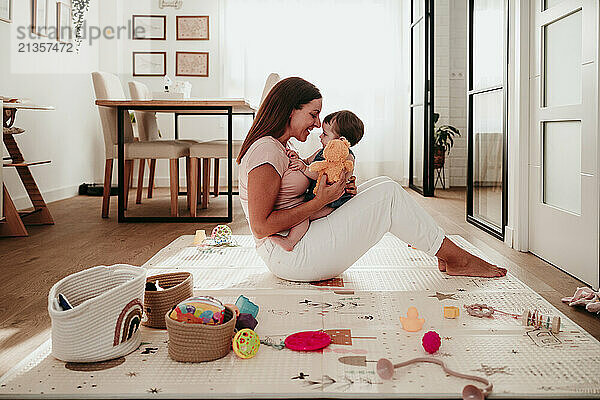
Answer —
(85, 32)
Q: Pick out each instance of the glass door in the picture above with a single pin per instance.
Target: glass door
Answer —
(421, 103)
(486, 119)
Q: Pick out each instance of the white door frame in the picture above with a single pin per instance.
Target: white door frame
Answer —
(517, 230)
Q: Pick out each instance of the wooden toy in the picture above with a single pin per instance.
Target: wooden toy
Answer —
(451, 312)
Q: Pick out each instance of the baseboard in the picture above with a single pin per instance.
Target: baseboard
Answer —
(508, 236)
(49, 196)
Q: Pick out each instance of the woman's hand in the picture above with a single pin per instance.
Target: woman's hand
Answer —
(329, 193)
(351, 186)
(297, 164)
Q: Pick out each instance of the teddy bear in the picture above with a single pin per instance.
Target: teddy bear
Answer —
(335, 154)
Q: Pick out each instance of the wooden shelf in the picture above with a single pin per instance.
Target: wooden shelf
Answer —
(26, 164)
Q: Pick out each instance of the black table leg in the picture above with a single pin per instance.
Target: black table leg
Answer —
(121, 162)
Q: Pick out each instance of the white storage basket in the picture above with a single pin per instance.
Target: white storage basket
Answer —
(106, 315)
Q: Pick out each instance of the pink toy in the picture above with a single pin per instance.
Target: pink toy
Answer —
(307, 341)
(431, 342)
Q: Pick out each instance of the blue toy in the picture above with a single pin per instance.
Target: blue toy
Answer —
(246, 306)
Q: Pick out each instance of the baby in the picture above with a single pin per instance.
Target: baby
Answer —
(338, 124)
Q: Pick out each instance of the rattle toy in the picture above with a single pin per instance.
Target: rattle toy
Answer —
(534, 319)
(246, 343)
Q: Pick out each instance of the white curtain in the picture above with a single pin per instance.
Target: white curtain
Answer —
(354, 51)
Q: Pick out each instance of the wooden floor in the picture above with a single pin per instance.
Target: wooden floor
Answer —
(81, 239)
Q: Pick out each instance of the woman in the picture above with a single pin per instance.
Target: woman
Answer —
(272, 197)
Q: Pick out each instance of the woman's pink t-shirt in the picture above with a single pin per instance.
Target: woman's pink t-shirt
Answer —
(268, 150)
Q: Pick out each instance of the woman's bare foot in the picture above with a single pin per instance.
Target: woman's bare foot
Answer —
(455, 261)
(282, 242)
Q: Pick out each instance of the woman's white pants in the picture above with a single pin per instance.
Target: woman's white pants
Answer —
(333, 243)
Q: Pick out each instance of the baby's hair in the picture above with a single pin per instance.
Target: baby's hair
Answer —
(345, 123)
(330, 117)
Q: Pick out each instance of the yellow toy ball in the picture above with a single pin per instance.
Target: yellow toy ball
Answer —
(246, 343)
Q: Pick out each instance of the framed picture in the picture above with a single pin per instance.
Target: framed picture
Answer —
(6, 10)
(191, 63)
(192, 27)
(39, 17)
(149, 63)
(149, 27)
(64, 22)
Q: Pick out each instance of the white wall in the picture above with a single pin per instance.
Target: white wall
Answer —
(68, 136)
(116, 57)
(450, 82)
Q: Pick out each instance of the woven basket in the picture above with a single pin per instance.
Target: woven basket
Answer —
(200, 342)
(178, 287)
(107, 311)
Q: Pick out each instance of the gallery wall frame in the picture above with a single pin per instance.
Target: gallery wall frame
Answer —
(155, 27)
(149, 63)
(193, 27)
(6, 10)
(64, 22)
(39, 17)
(189, 63)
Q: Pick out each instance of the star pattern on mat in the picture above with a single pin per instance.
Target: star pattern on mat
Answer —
(131, 374)
(489, 371)
(443, 296)
(300, 376)
(154, 390)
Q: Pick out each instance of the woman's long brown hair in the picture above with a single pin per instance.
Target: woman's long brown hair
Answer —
(274, 113)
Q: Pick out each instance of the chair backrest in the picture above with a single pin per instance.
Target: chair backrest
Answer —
(108, 87)
(272, 79)
(145, 120)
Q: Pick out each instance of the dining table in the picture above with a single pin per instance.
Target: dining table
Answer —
(226, 107)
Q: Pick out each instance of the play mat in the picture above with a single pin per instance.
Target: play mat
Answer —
(361, 310)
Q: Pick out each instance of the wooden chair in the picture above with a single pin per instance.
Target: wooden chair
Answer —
(108, 87)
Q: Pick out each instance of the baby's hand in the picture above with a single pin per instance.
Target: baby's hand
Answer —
(297, 164)
(291, 153)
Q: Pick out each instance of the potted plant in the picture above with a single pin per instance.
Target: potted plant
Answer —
(443, 140)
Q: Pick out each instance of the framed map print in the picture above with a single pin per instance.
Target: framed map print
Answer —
(191, 63)
(192, 27)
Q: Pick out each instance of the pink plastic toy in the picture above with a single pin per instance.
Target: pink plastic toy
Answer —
(431, 342)
(307, 341)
